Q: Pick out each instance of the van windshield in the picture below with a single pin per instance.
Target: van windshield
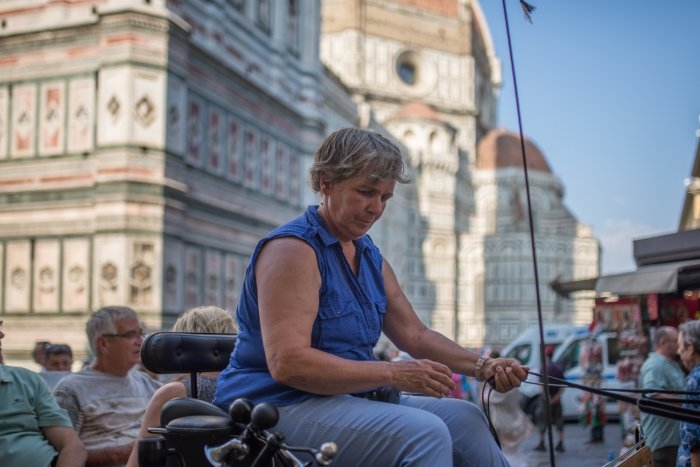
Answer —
(521, 353)
(570, 357)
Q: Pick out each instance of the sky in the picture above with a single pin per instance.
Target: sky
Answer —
(609, 91)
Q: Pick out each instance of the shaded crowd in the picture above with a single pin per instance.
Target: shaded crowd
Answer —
(56, 417)
(96, 415)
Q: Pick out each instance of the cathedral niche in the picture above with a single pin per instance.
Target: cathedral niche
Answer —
(141, 274)
(18, 278)
(141, 287)
(47, 281)
(109, 284)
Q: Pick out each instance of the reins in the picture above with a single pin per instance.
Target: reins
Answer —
(666, 407)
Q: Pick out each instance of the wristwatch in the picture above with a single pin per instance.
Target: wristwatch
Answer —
(479, 366)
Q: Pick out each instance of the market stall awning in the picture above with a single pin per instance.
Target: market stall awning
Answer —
(654, 278)
(566, 288)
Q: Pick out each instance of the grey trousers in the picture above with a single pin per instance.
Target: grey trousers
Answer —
(419, 432)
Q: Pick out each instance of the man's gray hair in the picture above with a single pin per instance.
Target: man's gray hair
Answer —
(102, 322)
(690, 331)
(350, 152)
(662, 333)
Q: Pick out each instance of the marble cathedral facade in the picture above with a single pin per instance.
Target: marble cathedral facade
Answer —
(145, 146)
(429, 72)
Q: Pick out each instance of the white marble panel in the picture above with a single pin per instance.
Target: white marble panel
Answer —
(52, 118)
(215, 141)
(17, 270)
(196, 113)
(193, 277)
(23, 120)
(233, 276)
(266, 164)
(294, 177)
(147, 108)
(113, 113)
(76, 274)
(2, 274)
(143, 287)
(173, 276)
(81, 114)
(281, 171)
(176, 118)
(250, 159)
(213, 285)
(47, 254)
(109, 266)
(4, 121)
(234, 153)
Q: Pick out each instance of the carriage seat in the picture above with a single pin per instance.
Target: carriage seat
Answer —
(185, 352)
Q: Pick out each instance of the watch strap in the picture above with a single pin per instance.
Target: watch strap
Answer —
(479, 367)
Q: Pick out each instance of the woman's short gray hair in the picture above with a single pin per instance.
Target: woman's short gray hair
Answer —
(690, 332)
(350, 152)
(102, 322)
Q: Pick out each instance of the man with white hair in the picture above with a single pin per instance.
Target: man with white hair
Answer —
(107, 400)
(661, 371)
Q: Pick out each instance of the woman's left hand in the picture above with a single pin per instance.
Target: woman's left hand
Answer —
(504, 374)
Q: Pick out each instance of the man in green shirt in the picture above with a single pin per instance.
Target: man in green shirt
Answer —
(660, 371)
(34, 430)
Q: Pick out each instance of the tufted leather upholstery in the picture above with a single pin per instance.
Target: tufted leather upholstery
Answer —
(184, 352)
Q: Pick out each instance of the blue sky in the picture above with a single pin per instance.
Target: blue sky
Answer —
(610, 92)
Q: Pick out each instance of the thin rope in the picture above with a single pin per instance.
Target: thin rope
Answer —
(486, 404)
(527, 9)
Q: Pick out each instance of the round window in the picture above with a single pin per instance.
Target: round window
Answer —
(407, 68)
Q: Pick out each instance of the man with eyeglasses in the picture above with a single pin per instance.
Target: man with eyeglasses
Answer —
(34, 430)
(106, 400)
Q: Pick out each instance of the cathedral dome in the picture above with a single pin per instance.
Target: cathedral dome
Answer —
(501, 148)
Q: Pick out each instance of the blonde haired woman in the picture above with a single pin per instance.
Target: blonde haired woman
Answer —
(206, 320)
(201, 319)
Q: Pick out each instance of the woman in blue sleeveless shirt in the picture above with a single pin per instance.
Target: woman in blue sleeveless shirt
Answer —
(316, 297)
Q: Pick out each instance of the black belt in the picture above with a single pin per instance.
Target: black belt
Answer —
(382, 394)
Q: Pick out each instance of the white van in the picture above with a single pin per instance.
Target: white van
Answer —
(568, 356)
(526, 349)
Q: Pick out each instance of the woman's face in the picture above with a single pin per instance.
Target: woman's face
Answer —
(351, 207)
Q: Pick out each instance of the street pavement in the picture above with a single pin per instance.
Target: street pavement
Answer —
(578, 452)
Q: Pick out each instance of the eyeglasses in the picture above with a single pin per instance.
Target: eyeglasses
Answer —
(131, 335)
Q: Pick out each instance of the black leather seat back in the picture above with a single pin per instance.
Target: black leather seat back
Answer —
(190, 424)
(184, 352)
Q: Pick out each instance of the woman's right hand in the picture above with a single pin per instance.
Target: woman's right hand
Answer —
(422, 377)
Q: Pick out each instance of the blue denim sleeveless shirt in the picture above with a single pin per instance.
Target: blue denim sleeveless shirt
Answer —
(348, 324)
